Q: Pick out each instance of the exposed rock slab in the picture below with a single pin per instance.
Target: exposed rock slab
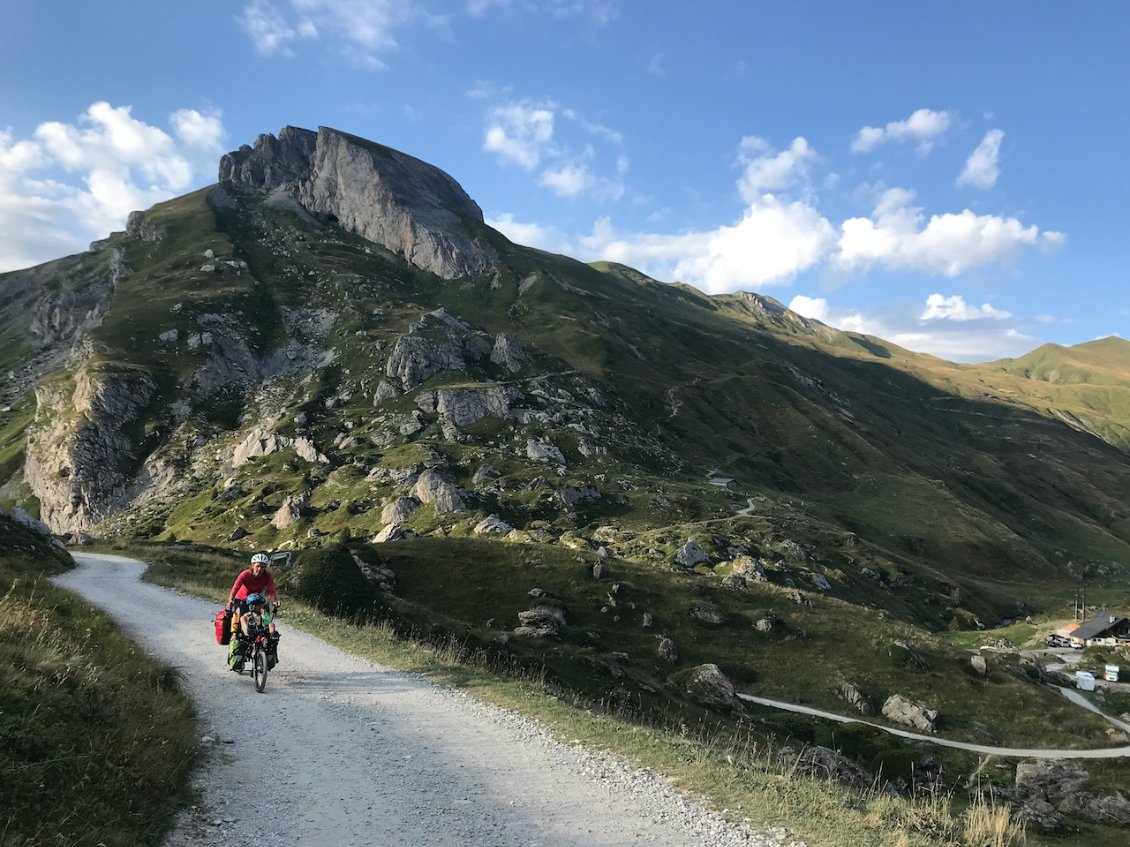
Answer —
(390, 198)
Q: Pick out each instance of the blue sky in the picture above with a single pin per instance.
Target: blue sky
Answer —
(950, 176)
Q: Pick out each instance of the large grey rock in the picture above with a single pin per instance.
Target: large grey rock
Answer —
(571, 495)
(708, 686)
(398, 510)
(392, 532)
(853, 695)
(1053, 780)
(441, 494)
(690, 554)
(263, 442)
(709, 613)
(903, 710)
(78, 445)
(397, 201)
(667, 650)
(464, 406)
(289, 512)
(543, 451)
(492, 524)
(541, 622)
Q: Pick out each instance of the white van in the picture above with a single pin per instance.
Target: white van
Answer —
(1085, 680)
(1110, 674)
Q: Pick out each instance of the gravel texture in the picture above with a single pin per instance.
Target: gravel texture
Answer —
(340, 751)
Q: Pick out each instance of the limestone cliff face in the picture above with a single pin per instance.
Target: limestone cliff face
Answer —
(77, 460)
(407, 206)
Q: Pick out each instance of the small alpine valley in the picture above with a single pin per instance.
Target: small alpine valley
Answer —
(658, 499)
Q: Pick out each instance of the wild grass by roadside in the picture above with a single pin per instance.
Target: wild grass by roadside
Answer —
(96, 739)
(736, 770)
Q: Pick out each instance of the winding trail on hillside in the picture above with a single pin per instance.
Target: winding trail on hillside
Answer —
(339, 751)
(984, 749)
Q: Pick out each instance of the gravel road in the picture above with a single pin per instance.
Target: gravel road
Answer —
(340, 751)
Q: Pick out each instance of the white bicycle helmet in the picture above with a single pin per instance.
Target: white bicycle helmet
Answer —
(260, 559)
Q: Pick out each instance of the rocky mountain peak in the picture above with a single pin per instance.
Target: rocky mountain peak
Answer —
(390, 198)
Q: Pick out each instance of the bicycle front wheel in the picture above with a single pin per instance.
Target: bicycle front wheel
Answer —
(259, 669)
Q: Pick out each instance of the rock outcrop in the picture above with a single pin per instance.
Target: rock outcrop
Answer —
(903, 710)
(407, 206)
(708, 686)
(80, 460)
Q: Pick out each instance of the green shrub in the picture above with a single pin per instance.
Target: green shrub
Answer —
(331, 581)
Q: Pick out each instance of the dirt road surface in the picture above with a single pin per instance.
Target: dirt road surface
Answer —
(339, 751)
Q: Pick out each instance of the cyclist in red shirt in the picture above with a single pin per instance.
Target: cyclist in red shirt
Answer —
(255, 580)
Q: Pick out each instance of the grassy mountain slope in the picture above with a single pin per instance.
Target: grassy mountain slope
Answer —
(900, 494)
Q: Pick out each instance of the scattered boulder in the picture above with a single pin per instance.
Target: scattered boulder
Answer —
(800, 598)
(484, 474)
(667, 650)
(392, 532)
(289, 512)
(237, 533)
(821, 582)
(398, 510)
(572, 495)
(492, 524)
(825, 763)
(979, 664)
(912, 657)
(691, 554)
(709, 613)
(648, 620)
(543, 451)
(903, 710)
(766, 623)
(441, 494)
(541, 622)
(708, 686)
(853, 695)
(600, 569)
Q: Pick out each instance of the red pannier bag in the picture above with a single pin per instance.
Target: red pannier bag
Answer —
(223, 626)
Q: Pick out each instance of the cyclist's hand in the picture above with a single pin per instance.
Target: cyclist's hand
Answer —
(275, 608)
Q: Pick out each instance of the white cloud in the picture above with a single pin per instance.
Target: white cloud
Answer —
(983, 165)
(269, 31)
(567, 181)
(360, 30)
(923, 126)
(810, 307)
(520, 132)
(773, 242)
(765, 170)
(597, 12)
(70, 183)
(971, 340)
(954, 308)
(898, 236)
(529, 234)
(204, 132)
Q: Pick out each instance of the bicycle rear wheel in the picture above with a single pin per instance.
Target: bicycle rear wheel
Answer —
(259, 668)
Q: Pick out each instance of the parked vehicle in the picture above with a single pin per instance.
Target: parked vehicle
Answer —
(1110, 673)
(1084, 681)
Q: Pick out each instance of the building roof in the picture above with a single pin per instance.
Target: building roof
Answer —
(1096, 626)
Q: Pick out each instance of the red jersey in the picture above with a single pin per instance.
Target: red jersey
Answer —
(247, 583)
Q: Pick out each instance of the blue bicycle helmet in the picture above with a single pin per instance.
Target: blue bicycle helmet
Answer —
(252, 599)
